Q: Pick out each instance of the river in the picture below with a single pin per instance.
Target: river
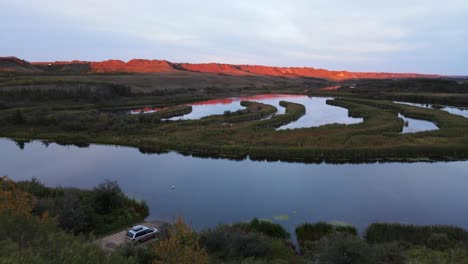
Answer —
(211, 191)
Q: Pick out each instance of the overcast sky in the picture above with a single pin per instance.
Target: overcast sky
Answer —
(426, 36)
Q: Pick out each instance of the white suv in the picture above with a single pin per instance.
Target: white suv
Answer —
(140, 233)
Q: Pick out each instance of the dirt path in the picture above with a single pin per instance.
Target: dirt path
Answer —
(110, 242)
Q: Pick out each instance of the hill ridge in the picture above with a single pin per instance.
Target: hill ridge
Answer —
(163, 66)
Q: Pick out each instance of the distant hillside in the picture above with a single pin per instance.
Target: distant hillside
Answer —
(16, 65)
(163, 66)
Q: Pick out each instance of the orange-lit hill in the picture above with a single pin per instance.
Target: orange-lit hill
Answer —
(162, 66)
(134, 66)
(213, 68)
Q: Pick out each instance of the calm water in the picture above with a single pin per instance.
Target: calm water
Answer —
(208, 191)
(318, 113)
(416, 125)
(453, 110)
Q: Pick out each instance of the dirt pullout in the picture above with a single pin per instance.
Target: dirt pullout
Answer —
(112, 241)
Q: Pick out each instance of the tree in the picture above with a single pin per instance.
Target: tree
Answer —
(108, 196)
(13, 200)
(181, 247)
(71, 215)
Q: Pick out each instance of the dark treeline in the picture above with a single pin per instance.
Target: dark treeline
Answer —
(313, 232)
(406, 85)
(65, 90)
(435, 237)
(449, 100)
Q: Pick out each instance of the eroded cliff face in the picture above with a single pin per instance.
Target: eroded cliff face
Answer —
(158, 66)
(134, 66)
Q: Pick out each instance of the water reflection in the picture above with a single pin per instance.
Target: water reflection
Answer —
(318, 113)
(452, 110)
(212, 191)
(413, 125)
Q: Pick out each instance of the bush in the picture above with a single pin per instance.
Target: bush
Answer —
(438, 241)
(240, 241)
(315, 232)
(431, 236)
(107, 197)
(165, 231)
(228, 242)
(346, 248)
(101, 210)
(29, 240)
(341, 248)
(141, 255)
(182, 247)
(420, 254)
(34, 187)
(266, 227)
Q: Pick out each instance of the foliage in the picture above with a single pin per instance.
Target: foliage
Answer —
(28, 240)
(417, 255)
(14, 200)
(141, 255)
(266, 227)
(240, 241)
(314, 232)
(435, 237)
(346, 248)
(101, 210)
(44, 90)
(246, 132)
(107, 197)
(181, 247)
(409, 85)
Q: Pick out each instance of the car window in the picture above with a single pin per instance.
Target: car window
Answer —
(129, 234)
(139, 234)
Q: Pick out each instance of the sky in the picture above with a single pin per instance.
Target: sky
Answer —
(362, 35)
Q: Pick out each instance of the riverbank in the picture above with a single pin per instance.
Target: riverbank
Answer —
(377, 139)
(257, 241)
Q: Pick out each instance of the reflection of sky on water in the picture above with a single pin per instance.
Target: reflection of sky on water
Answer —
(212, 191)
(416, 125)
(318, 113)
(453, 110)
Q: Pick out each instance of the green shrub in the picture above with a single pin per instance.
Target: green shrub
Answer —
(141, 255)
(266, 227)
(28, 240)
(437, 237)
(346, 248)
(315, 232)
(238, 242)
(341, 248)
(101, 210)
(421, 254)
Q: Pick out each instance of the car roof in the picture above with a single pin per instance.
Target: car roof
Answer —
(138, 228)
